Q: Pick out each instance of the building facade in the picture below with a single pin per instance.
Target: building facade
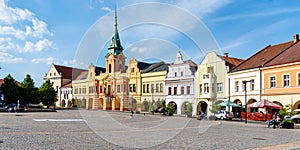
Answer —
(246, 79)
(281, 77)
(153, 86)
(211, 81)
(59, 77)
(180, 83)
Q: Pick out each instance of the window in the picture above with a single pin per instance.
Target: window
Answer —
(298, 79)
(188, 90)
(118, 88)
(108, 90)
(161, 87)
(157, 88)
(132, 70)
(109, 68)
(130, 87)
(220, 87)
(200, 88)
(83, 90)
(206, 88)
(244, 85)
(272, 82)
(205, 76)
(91, 89)
(175, 90)
(175, 74)
(134, 87)
(236, 86)
(169, 90)
(144, 88)
(181, 73)
(152, 88)
(50, 74)
(54, 74)
(286, 80)
(125, 89)
(100, 89)
(182, 90)
(147, 89)
(76, 90)
(252, 85)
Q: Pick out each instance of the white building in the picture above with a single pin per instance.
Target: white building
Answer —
(180, 83)
(59, 77)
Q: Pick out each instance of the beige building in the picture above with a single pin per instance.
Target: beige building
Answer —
(211, 81)
(153, 85)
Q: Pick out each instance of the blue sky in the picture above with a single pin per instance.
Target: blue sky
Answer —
(36, 33)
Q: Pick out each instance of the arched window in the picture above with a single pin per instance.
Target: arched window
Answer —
(109, 68)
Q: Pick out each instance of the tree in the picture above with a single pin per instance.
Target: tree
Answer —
(171, 108)
(11, 90)
(189, 109)
(47, 94)
(29, 93)
(214, 108)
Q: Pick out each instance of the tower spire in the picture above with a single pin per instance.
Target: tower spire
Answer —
(115, 47)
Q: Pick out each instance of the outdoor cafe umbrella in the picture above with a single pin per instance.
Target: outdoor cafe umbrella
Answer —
(264, 103)
(229, 103)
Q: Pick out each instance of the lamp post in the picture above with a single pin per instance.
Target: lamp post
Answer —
(245, 85)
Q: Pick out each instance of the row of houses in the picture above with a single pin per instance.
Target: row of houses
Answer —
(272, 73)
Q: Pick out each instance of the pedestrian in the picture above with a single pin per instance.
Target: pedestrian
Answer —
(199, 115)
(131, 112)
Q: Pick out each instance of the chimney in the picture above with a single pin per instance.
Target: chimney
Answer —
(226, 54)
(296, 38)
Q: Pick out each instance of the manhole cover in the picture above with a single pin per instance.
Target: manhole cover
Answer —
(259, 139)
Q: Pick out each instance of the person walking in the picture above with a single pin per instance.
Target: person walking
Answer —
(131, 110)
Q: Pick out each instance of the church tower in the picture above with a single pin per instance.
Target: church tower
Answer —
(115, 60)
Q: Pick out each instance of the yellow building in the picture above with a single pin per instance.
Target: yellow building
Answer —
(153, 85)
(281, 77)
(112, 85)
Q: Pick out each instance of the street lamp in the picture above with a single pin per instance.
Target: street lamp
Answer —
(245, 85)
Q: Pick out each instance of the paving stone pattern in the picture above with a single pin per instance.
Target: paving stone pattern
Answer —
(20, 131)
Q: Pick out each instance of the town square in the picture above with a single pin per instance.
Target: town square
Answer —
(73, 129)
(149, 75)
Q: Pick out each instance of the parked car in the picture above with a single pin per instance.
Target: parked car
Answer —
(222, 114)
(296, 117)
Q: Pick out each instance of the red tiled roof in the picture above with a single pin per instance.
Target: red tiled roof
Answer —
(263, 56)
(69, 84)
(82, 75)
(290, 55)
(68, 72)
(230, 61)
(2, 82)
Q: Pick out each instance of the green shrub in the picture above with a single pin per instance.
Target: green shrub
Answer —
(171, 109)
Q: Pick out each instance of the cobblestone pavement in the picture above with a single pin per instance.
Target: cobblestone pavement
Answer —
(118, 130)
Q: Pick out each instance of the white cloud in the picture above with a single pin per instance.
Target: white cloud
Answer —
(139, 50)
(6, 44)
(8, 58)
(106, 9)
(40, 28)
(11, 31)
(51, 60)
(11, 15)
(22, 27)
(41, 45)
